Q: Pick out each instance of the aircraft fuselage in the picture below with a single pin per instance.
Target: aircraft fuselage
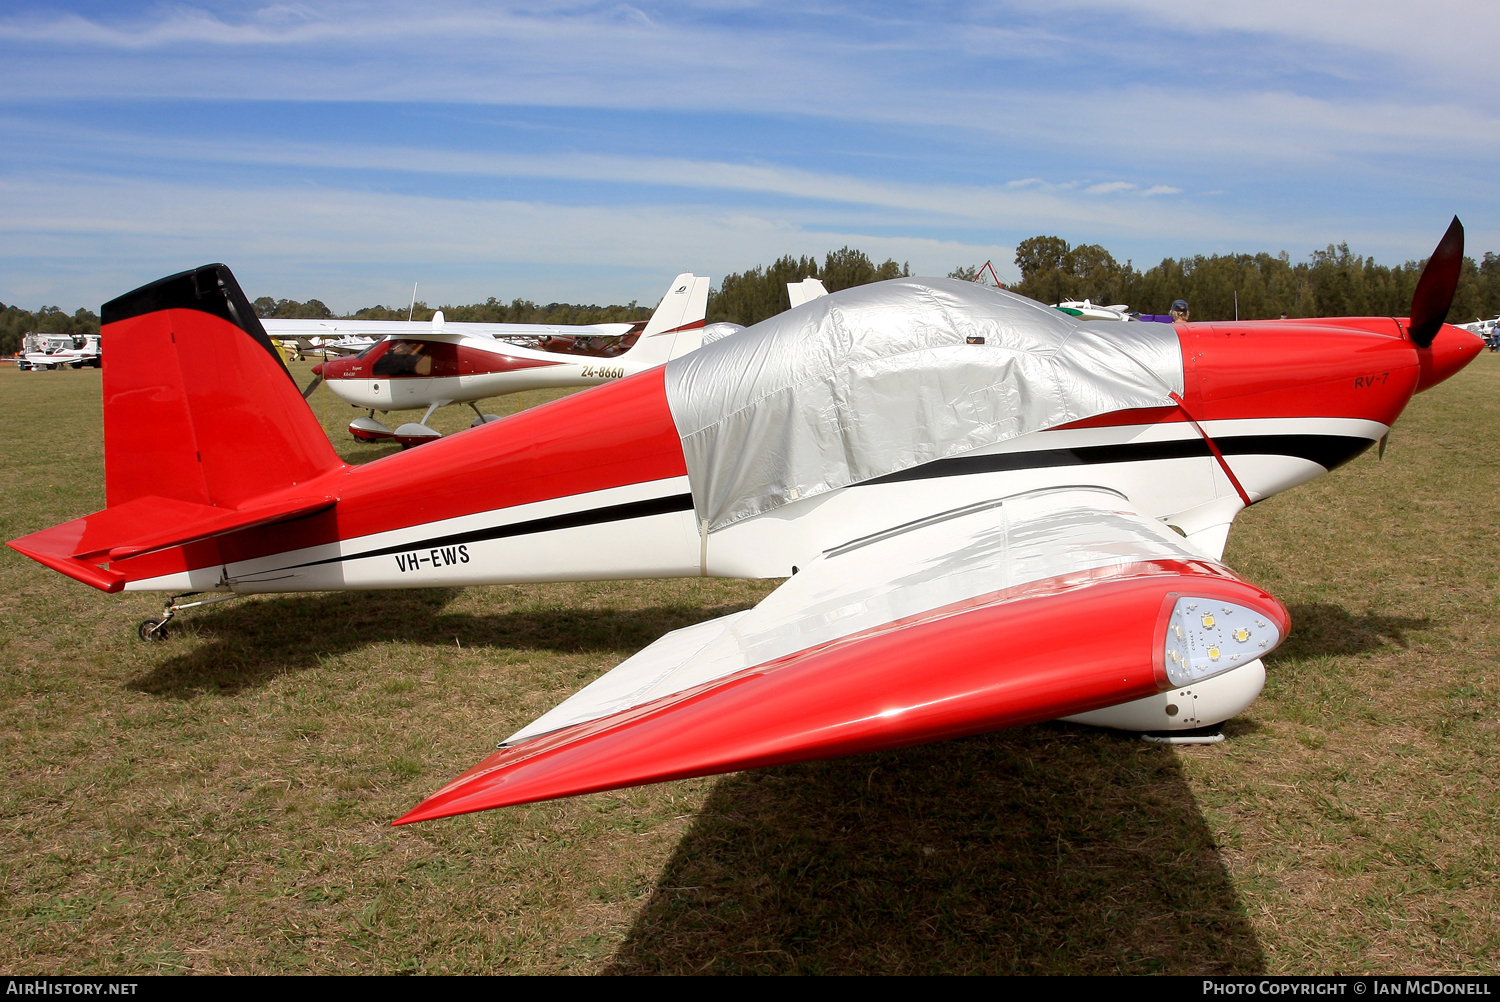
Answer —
(594, 486)
(455, 370)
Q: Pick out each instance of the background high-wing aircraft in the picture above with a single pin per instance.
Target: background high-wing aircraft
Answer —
(430, 365)
(990, 513)
(325, 338)
(338, 338)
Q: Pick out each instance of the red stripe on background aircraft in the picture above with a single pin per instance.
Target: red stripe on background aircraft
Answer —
(1071, 571)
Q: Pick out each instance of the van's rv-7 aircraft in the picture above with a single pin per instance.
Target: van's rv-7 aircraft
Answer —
(988, 513)
(432, 365)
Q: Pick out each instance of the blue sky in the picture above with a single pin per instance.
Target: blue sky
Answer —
(590, 151)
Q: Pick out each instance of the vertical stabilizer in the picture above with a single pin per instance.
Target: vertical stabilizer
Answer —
(676, 327)
(198, 404)
(805, 291)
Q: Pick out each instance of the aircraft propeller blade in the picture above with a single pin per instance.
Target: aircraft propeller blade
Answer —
(1435, 287)
(312, 386)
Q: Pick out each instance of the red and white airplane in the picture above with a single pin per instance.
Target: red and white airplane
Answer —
(989, 513)
(439, 364)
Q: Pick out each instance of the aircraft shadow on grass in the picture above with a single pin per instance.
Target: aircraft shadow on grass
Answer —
(1040, 850)
(1321, 629)
(251, 643)
(1046, 849)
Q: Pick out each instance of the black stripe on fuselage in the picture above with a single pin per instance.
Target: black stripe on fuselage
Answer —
(570, 520)
(1328, 451)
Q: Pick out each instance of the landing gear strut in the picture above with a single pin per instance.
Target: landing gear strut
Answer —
(482, 418)
(153, 630)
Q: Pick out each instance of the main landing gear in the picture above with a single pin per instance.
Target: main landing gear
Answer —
(417, 432)
(153, 630)
(481, 418)
(367, 429)
(413, 433)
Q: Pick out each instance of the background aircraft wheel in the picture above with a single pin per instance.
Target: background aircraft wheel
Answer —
(152, 630)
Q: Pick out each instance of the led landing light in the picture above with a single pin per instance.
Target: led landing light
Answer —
(1207, 637)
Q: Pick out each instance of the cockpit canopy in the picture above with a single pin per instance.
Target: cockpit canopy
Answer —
(397, 357)
(881, 378)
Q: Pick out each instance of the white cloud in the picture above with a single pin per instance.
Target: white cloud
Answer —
(1025, 202)
(345, 247)
(79, 240)
(832, 65)
(1442, 36)
(1232, 129)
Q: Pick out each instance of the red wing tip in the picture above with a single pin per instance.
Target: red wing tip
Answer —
(454, 798)
(408, 818)
(492, 783)
(432, 808)
(447, 805)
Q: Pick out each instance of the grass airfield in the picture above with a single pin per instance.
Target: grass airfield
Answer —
(220, 802)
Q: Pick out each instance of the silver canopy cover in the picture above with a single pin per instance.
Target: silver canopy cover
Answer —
(884, 377)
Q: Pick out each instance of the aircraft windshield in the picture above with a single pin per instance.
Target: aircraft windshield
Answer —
(416, 358)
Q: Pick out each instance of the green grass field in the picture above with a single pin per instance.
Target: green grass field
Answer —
(220, 802)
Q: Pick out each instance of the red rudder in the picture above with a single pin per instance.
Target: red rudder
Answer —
(198, 405)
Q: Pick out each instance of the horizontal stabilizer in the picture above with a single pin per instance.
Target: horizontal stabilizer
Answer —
(146, 525)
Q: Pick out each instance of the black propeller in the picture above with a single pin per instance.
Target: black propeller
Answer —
(1435, 287)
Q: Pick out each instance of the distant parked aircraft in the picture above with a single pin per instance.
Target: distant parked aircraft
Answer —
(430, 365)
(1086, 310)
(54, 351)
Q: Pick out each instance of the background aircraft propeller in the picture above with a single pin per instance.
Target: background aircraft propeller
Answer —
(1435, 287)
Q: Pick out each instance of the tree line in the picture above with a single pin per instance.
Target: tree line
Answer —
(748, 297)
(15, 322)
(1330, 283)
(744, 297)
(1334, 282)
(491, 311)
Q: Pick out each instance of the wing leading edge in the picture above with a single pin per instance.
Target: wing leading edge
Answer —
(1013, 611)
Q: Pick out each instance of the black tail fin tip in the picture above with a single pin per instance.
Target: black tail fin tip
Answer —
(210, 289)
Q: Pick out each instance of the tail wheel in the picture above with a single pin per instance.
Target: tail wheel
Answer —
(152, 630)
